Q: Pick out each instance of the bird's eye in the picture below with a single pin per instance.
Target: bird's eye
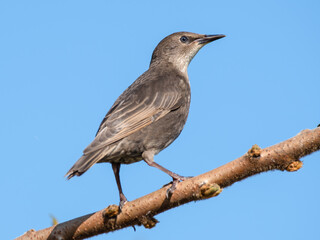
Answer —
(184, 39)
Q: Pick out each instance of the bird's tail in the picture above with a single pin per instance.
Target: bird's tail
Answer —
(83, 164)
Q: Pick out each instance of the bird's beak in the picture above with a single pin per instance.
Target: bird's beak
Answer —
(209, 38)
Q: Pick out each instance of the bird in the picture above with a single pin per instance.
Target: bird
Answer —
(150, 114)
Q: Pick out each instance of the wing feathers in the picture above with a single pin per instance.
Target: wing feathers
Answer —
(130, 116)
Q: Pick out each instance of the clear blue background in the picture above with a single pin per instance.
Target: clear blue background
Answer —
(63, 64)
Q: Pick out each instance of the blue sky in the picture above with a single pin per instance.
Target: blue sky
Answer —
(63, 64)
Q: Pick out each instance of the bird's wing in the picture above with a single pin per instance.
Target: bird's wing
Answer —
(129, 116)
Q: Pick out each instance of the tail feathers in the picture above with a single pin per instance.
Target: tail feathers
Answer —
(83, 164)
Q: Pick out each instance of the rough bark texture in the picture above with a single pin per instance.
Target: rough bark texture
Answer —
(283, 156)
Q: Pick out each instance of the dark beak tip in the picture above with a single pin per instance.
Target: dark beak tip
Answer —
(210, 38)
(215, 36)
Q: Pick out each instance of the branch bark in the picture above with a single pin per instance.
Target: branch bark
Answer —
(283, 156)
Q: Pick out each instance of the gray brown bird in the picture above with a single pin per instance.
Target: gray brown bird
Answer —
(150, 114)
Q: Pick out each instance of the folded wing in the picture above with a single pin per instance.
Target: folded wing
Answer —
(130, 116)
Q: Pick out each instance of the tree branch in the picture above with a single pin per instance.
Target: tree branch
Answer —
(283, 156)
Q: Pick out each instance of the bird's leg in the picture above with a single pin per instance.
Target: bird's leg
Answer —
(116, 171)
(148, 158)
(171, 174)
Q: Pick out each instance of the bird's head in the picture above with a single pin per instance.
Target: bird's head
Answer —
(179, 48)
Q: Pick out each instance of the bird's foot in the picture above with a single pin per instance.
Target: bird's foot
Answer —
(172, 188)
(123, 201)
(176, 179)
(121, 204)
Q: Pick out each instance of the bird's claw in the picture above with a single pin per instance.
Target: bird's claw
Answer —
(174, 184)
(184, 178)
(121, 204)
(171, 189)
(123, 201)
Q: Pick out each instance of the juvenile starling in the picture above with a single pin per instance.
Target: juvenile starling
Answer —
(150, 114)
